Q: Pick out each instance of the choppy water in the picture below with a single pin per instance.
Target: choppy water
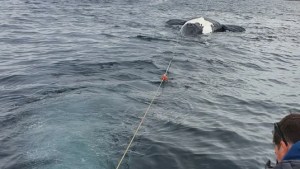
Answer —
(77, 75)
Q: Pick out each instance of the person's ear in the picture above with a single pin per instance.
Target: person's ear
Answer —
(280, 150)
(283, 147)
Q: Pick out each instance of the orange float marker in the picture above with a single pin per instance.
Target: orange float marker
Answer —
(164, 77)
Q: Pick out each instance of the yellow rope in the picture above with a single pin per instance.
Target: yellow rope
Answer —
(139, 126)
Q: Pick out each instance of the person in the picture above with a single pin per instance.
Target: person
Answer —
(286, 139)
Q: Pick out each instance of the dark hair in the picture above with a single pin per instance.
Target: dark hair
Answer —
(289, 126)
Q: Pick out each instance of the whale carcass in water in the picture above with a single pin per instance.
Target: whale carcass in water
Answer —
(202, 26)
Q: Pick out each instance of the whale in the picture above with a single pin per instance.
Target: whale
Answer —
(202, 25)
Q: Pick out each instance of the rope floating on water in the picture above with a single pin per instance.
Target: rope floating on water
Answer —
(164, 78)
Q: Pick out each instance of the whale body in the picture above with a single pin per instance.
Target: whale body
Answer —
(202, 26)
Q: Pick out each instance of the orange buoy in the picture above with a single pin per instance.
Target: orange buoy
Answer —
(164, 77)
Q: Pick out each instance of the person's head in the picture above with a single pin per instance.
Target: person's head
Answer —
(286, 133)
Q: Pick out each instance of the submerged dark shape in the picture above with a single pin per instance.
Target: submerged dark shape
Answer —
(202, 25)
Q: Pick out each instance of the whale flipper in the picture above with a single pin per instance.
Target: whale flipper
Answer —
(233, 28)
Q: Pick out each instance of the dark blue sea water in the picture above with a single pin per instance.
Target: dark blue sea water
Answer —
(76, 76)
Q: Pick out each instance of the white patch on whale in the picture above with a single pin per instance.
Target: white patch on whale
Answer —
(207, 26)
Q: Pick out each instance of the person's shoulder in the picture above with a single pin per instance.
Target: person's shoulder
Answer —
(295, 164)
(288, 164)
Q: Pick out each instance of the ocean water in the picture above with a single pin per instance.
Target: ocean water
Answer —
(76, 76)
